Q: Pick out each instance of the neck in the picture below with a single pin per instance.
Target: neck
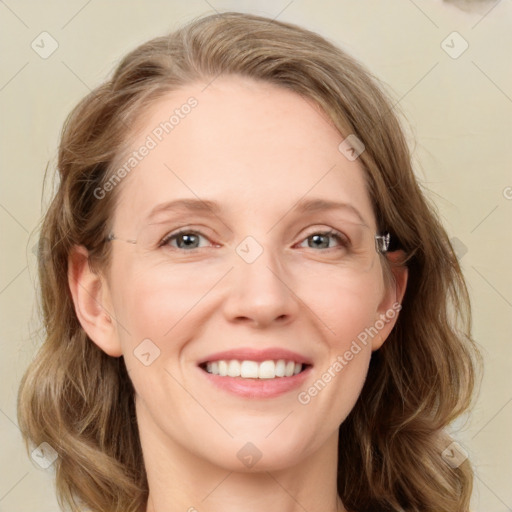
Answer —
(234, 492)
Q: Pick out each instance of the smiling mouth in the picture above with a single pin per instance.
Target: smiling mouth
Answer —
(247, 369)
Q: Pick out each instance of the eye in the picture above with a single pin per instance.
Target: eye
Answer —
(320, 239)
(185, 238)
(188, 239)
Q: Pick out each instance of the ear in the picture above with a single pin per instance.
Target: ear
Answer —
(390, 305)
(92, 301)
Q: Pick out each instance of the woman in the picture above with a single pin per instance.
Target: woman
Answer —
(249, 303)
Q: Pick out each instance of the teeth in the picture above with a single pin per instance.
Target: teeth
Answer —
(267, 370)
(249, 370)
(234, 368)
(254, 370)
(223, 368)
(281, 368)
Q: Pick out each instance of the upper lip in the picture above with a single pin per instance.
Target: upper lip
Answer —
(253, 354)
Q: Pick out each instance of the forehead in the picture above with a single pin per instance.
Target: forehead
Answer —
(251, 146)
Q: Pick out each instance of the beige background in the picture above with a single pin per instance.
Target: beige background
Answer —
(459, 111)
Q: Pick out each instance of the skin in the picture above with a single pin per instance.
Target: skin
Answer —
(256, 149)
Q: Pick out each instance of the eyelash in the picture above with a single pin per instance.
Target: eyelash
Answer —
(342, 239)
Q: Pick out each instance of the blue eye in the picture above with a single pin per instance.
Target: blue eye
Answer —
(189, 239)
(317, 237)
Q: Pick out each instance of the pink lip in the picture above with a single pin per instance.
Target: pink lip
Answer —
(250, 354)
(258, 388)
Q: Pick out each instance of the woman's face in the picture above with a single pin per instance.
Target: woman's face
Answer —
(254, 281)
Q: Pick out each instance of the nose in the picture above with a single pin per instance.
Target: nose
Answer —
(260, 292)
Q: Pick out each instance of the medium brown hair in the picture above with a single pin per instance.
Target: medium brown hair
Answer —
(81, 401)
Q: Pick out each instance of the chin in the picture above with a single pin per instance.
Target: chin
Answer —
(253, 454)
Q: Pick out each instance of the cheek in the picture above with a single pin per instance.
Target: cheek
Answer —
(347, 306)
(160, 312)
(338, 381)
(349, 309)
(156, 303)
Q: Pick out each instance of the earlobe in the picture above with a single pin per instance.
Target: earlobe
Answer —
(92, 302)
(393, 296)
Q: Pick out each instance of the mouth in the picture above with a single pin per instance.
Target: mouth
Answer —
(256, 373)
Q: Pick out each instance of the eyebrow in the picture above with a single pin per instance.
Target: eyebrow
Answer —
(207, 206)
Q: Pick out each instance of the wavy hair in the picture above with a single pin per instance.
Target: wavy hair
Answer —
(81, 401)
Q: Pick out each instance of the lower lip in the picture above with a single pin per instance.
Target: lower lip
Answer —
(258, 388)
